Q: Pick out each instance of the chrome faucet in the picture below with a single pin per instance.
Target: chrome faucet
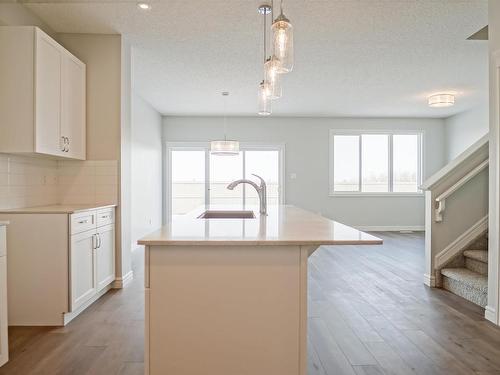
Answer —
(261, 191)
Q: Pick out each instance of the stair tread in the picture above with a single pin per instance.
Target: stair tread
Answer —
(480, 255)
(466, 276)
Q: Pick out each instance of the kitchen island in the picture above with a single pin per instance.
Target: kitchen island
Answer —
(227, 295)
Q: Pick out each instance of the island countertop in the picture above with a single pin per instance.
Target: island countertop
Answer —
(284, 225)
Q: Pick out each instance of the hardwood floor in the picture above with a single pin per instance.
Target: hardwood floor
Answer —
(369, 313)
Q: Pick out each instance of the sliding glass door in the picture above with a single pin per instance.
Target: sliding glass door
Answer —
(196, 177)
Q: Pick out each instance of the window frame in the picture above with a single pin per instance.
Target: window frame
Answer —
(205, 146)
(420, 168)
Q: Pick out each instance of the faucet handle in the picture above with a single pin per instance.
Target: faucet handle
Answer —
(262, 182)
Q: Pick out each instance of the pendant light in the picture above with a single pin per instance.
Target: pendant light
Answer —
(225, 147)
(282, 41)
(264, 100)
(266, 90)
(272, 67)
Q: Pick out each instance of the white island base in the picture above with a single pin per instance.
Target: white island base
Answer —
(229, 296)
(225, 310)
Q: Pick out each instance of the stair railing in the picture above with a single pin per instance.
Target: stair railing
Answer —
(440, 201)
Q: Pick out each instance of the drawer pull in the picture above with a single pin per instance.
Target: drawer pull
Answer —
(105, 217)
(83, 222)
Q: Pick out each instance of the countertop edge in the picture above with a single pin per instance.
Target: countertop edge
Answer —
(256, 242)
(39, 210)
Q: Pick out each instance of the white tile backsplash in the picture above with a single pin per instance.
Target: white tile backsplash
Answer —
(33, 181)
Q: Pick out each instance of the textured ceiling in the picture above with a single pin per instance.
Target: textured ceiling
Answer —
(353, 57)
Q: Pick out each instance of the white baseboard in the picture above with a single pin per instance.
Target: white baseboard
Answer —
(122, 282)
(430, 281)
(490, 314)
(390, 228)
(461, 242)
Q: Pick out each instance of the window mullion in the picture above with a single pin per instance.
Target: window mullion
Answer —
(360, 137)
(207, 177)
(244, 176)
(391, 164)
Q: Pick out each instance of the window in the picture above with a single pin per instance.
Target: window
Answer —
(196, 177)
(375, 162)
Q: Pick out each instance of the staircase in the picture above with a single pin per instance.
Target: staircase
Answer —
(467, 274)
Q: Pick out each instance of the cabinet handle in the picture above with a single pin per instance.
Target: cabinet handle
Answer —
(105, 217)
(83, 222)
(98, 240)
(94, 241)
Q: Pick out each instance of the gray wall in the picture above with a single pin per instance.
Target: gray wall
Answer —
(146, 169)
(492, 309)
(465, 128)
(307, 155)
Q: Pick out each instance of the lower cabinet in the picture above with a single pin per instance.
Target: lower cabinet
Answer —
(105, 257)
(92, 263)
(59, 263)
(83, 264)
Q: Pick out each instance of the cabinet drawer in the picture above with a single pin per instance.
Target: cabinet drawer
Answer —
(105, 217)
(83, 221)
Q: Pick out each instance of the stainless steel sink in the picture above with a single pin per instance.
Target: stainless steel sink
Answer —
(212, 214)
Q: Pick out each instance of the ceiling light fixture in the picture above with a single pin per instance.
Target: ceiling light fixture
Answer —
(282, 41)
(267, 89)
(144, 6)
(272, 77)
(225, 147)
(441, 100)
(264, 100)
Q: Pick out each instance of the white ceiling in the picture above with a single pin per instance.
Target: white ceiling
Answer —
(353, 57)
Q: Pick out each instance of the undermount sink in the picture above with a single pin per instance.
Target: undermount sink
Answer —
(211, 214)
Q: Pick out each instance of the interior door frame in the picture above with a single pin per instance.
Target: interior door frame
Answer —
(205, 146)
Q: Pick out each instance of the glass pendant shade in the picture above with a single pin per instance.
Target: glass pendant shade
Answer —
(225, 147)
(264, 100)
(272, 77)
(282, 43)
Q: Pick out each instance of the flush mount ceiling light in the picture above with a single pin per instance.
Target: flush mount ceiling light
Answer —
(144, 6)
(225, 147)
(441, 100)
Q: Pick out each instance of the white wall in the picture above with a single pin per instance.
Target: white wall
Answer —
(492, 310)
(146, 169)
(463, 129)
(15, 14)
(307, 150)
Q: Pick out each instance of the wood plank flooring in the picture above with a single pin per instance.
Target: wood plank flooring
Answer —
(369, 314)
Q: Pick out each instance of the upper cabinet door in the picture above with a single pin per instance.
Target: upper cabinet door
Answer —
(47, 96)
(73, 125)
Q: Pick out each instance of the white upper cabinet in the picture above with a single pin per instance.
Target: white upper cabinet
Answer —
(42, 96)
(73, 107)
(47, 95)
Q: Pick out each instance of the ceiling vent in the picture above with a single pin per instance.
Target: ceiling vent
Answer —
(480, 35)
